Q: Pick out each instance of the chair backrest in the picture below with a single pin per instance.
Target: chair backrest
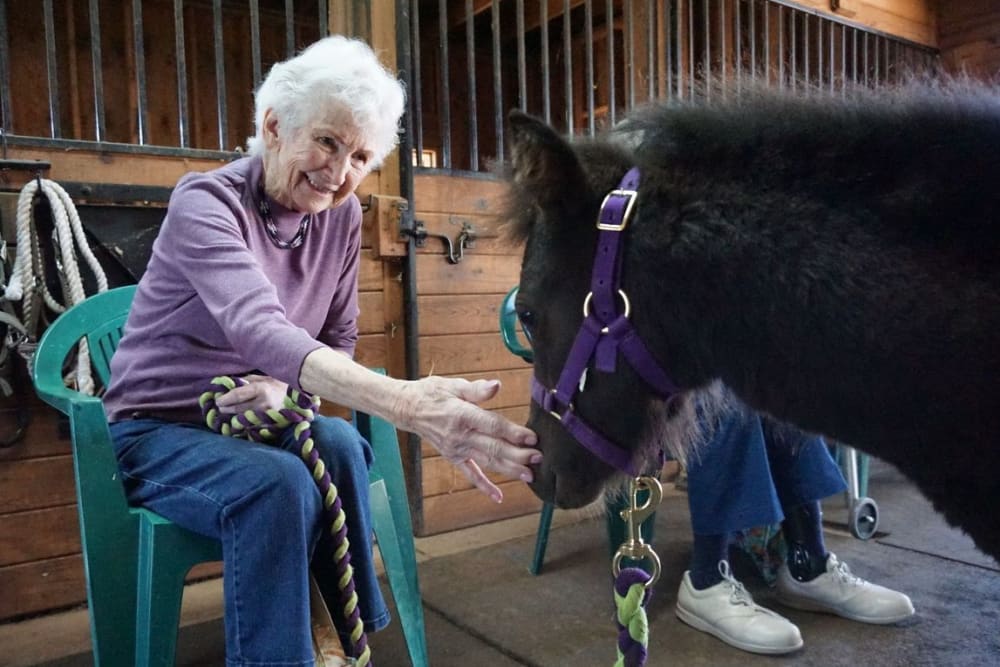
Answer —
(103, 507)
(99, 319)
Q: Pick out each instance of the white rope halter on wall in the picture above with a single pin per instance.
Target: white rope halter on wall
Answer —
(28, 276)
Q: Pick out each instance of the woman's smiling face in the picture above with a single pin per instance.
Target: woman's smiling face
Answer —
(315, 167)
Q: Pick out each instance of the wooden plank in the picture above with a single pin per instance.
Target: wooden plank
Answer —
(477, 274)
(471, 508)
(38, 586)
(369, 272)
(36, 483)
(459, 313)
(39, 534)
(372, 318)
(41, 438)
(441, 193)
(915, 20)
(438, 476)
(371, 350)
(58, 583)
(464, 353)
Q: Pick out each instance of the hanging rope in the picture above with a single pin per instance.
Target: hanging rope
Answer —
(633, 585)
(632, 593)
(298, 412)
(28, 277)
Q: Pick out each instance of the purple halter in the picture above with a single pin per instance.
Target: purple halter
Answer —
(603, 333)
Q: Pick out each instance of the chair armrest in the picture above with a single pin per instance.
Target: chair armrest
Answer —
(51, 389)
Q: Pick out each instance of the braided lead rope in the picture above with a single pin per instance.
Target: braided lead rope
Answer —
(298, 412)
(632, 593)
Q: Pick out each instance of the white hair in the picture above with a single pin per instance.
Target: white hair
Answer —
(333, 71)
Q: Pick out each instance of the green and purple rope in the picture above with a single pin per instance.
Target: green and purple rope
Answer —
(632, 593)
(298, 412)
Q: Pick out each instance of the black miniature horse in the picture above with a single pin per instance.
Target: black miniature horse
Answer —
(835, 261)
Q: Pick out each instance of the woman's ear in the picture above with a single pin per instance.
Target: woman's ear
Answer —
(270, 128)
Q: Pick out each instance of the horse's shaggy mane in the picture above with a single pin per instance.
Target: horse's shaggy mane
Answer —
(858, 148)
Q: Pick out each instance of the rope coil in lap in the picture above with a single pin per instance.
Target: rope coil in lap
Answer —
(298, 412)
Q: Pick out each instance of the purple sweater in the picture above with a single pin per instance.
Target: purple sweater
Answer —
(218, 298)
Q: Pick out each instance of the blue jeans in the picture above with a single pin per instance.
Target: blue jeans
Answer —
(751, 469)
(263, 504)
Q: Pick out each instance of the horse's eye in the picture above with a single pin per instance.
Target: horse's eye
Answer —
(527, 319)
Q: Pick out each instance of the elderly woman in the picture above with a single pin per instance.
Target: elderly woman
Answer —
(254, 273)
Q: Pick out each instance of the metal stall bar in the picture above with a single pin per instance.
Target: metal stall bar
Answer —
(568, 66)
(289, 28)
(415, 82)
(220, 74)
(96, 62)
(255, 41)
(139, 53)
(691, 53)
(497, 77)
(781, 47)
(833, 56)
(609, 19)
(629, 45)
(522, 60)
(793, 41)
(588, 27)
(444, 91)
(738, 44)
(52, 70)
(806, 47)
(470, 49)
(6, 119)
(707, 60)
(672, 39)
(324, 18)
(651, 68)
(543, 22)
(723, 53)
(767, 40)
(182, 97)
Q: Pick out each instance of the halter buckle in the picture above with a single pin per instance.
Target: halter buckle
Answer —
(620, 226)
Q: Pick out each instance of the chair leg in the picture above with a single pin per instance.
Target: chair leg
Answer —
(401, 571)
(542, 538)
(158, 604)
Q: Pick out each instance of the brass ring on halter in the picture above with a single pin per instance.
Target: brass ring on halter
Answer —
(590, 295)
(569, 408)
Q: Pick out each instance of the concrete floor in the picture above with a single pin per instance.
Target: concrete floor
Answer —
(483, 608)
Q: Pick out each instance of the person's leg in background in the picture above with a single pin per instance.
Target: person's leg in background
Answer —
(812, 578)
(729, 489)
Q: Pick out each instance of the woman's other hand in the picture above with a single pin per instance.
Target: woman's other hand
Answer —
(443, 411)
(261, 393)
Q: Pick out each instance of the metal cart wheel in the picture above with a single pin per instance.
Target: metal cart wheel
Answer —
(863, 521)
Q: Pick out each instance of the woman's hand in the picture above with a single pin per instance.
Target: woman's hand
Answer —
(261, 393)
(443, 411)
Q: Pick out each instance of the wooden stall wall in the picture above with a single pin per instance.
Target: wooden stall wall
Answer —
(460, 336)
(969, 37)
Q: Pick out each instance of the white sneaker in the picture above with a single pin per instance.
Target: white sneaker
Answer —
(728, 612)
(839, 592)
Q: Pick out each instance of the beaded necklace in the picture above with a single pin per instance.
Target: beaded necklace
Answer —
(272, 230)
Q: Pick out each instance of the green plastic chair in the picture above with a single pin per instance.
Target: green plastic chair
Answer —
(135, 560)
